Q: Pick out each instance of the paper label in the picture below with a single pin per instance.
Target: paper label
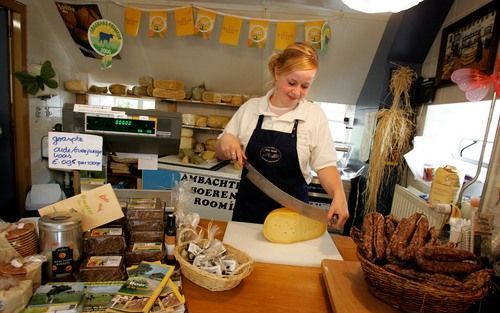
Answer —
(147, 246)
(111, 231)
(104, 261)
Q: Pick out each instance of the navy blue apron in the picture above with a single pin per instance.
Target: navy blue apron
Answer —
(274, 155)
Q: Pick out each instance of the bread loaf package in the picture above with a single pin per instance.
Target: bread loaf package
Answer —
(178, 94)
(74, 85)
(102, 268)
(211, 96)
(168, 84)
(189, 119)
(144, 251)
(14, 294)
(104, 241)
(145, 224)
(118, 89)
(146, 235)
(186, 143)
(187, 132)
(217, 121)
(445, 185)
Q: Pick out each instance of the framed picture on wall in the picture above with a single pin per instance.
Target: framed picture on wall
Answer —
(470, 42)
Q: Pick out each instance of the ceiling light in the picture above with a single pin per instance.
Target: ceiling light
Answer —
(379, 6)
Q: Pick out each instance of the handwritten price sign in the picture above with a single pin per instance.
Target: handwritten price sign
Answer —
(73, 151)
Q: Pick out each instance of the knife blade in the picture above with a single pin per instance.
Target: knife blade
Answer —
(283, 198)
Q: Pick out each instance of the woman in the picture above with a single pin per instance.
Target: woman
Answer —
(284, 137)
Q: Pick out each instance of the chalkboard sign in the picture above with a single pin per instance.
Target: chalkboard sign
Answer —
(73, 151)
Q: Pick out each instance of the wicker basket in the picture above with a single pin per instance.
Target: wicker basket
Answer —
(411, 296)
(211, 281)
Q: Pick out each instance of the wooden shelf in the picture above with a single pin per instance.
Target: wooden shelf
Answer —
(203, 128)
(201, 102)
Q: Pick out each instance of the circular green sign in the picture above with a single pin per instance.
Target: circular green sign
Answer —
(105, 38)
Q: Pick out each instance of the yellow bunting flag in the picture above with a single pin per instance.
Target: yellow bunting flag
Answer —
(132, 21)
(204, 24)
(285, 34)
(184, 23)
(257, 33)
(157, 24)
(313, 33)
(230, 30)
(326, 36)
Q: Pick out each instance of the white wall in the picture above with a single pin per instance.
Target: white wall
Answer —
(193, 60)
(44, 114)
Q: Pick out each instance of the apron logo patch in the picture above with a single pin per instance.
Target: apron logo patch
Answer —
(270, 154)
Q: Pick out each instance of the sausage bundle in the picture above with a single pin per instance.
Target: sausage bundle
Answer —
(409, 248)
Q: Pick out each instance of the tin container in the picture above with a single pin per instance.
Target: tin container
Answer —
(61, 243)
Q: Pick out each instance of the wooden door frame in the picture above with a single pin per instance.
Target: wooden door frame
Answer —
(19, 103)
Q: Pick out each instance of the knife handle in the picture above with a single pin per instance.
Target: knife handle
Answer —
(333, 220)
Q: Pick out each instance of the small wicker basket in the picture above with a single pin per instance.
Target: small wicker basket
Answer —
(211, 281)
(411, 296)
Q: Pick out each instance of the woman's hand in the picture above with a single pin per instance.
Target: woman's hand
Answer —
(338, 212)
(332, 183)
(229, 148)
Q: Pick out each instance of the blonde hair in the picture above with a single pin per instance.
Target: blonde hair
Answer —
(296, 57)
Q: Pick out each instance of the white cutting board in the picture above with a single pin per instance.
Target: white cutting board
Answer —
(248, 237)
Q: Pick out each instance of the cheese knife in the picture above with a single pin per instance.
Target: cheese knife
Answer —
(283, 198)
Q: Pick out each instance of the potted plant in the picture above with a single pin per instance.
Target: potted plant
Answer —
(35, 82)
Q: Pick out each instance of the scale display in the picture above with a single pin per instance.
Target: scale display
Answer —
(120, 125)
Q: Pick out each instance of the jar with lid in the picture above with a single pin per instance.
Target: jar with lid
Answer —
(61, 243)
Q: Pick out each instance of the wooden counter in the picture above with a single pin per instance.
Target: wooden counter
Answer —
(271, 288)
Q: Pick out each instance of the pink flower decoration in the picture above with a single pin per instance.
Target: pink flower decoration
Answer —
(475, 83)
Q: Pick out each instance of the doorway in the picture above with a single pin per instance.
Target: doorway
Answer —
(15, 169)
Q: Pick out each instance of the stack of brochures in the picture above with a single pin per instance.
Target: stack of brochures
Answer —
(151, 287)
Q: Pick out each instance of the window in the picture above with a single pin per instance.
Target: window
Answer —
(340, 119)
(455, 132)
(122, 102)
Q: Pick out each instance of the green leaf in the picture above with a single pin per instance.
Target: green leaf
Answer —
(25, 78)
(39, 81)
(32, 89)
(47, 71)
(51, 83)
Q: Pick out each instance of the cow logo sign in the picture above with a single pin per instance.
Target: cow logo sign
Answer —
(106, 39)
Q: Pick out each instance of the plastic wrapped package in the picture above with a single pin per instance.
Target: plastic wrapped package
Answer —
(144, 251)
(146, 236)
(104, 241)
(145, 211)
(14, 294)
(143, 225)
(102, 268)
(144, 201)
(25, 269)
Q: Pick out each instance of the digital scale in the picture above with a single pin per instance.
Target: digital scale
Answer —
(133, 125)
(126, 130)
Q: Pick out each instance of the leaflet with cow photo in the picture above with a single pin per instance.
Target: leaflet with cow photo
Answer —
(143, 286)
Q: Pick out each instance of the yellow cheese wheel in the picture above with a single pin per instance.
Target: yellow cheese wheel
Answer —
(287, 226)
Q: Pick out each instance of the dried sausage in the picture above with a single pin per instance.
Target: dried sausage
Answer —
(477, 280)
(445, 253)
(407, 232)
(443, 267)
(368, 231)
(417, 241)
(379, 236)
